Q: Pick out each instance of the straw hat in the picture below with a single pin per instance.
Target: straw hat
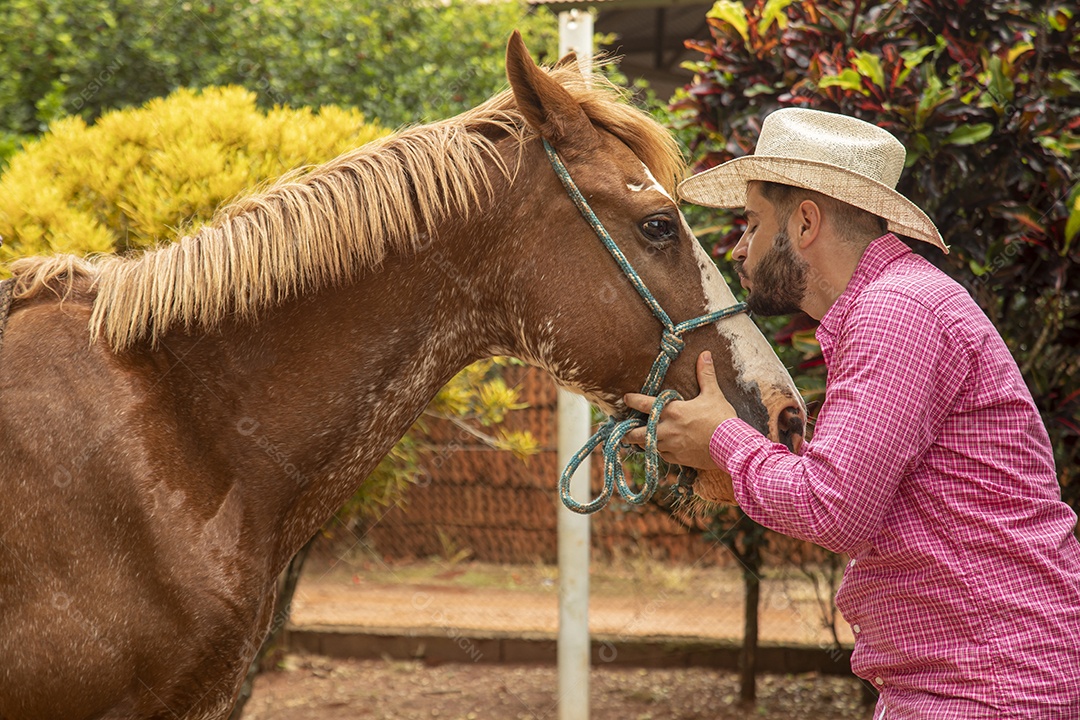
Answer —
(836, 155)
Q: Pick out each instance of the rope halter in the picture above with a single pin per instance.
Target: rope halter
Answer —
(612, 432)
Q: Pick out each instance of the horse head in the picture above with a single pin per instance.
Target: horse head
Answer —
(580, 316)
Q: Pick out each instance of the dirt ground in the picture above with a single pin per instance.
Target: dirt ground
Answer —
(626, 599)
(317, 688)
(635, 597)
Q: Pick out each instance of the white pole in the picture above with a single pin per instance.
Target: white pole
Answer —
(576, 33)
(574, 423)
(573, 641)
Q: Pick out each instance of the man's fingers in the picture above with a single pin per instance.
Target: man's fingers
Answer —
(637, 401)
(706, 375)
(635, 437)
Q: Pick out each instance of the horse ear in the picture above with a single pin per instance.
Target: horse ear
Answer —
(547, 106)
(569, 60)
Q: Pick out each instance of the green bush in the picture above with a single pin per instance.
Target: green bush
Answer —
(986, 97)
(397, 62)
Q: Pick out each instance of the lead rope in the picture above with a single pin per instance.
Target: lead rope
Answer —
(612, 432)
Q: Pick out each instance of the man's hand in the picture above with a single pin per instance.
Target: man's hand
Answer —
(686, 427)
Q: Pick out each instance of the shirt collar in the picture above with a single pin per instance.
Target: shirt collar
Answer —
(878, 255)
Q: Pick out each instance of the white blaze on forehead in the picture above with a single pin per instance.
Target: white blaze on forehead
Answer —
(755, 361)
(642, 187)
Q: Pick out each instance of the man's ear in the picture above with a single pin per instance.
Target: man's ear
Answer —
(547, 106)
(807, 221)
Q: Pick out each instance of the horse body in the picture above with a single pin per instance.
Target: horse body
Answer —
(188, 484)
(157, 476)
(87, 582)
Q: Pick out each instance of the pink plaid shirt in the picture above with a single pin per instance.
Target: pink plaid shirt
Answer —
(931, 468)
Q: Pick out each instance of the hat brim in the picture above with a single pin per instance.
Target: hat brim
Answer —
(724, 186)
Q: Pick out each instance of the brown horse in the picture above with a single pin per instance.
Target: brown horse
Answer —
(173, 427)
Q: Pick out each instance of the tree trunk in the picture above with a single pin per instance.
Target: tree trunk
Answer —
(282, 607)
(748, 656)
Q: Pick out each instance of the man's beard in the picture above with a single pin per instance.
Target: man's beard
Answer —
(779, 281)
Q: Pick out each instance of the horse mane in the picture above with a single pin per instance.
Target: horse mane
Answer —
(319, 226)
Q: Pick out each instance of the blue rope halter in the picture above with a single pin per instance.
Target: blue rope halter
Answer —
(611, 433)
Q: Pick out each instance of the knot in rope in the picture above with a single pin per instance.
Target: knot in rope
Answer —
(671, 344)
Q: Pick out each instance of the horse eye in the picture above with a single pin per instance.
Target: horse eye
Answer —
(660, 229)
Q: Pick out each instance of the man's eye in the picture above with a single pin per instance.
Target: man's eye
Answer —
(659, 229)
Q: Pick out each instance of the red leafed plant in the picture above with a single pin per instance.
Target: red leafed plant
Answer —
(985, 97)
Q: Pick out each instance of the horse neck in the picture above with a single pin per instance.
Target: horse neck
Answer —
(294, 411)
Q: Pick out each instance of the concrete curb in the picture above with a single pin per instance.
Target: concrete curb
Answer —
(455, 645)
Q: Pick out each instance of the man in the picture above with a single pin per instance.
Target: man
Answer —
(929, 464)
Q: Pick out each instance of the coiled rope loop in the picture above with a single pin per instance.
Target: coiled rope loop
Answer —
(611, 433)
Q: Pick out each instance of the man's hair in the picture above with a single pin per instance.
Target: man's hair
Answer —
(852, 224)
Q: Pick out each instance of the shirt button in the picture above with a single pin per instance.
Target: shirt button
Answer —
(879, 681)
(856, 628)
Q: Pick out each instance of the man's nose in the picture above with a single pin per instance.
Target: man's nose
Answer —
(738, 253)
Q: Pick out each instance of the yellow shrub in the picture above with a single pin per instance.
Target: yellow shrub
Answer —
(137, 175)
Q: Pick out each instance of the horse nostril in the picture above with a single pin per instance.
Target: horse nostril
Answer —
(791, 425)
(791, 420)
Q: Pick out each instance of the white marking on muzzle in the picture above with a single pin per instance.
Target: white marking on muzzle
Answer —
(756, 364)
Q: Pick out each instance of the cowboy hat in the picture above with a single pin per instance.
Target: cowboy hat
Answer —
(836, 155)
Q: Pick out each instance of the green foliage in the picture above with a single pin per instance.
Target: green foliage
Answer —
(397, 62)
(400, 62)
(986, 98)
(131, 178)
